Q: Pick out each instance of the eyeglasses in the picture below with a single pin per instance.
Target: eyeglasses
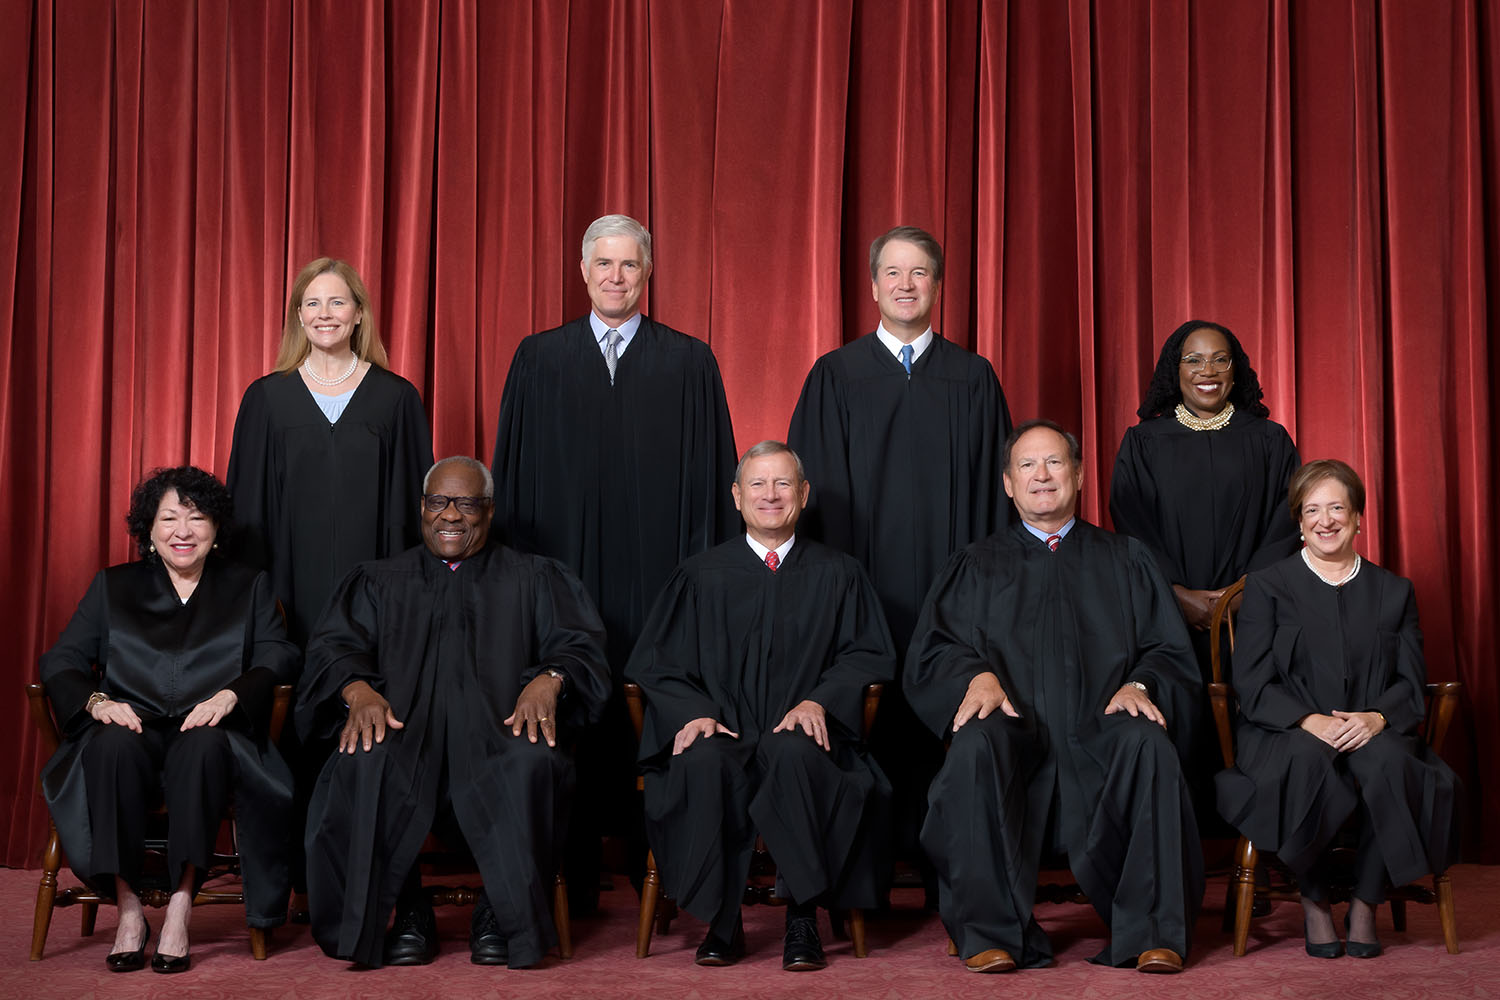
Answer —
(436, 503)
(1197, 362)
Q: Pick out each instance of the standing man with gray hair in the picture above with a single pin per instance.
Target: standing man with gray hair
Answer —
(613, 451)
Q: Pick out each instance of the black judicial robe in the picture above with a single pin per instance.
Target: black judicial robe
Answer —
(1063, 632)
(450, 650)
(1210, 505)
(733, 641)
(620, 482)
(1303, 646)
(905, 471)
(134, 640)
(314, 499)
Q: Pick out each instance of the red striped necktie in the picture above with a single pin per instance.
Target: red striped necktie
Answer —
(1052, 541)
(772, 560)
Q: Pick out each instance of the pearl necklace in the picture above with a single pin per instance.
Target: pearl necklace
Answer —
(307, 370)
(1219, 420)
(1333, 583)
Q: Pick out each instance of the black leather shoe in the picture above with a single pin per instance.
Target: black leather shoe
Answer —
(1361, 949)
(486, 946)
(804, 949)
(412, 939)
(129, 961)
(716, 951)
(171, 963)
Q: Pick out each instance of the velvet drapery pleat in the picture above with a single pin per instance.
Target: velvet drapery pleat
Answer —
(1321, 176)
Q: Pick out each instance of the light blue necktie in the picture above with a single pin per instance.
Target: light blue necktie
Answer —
(906, 353)
(612, 352)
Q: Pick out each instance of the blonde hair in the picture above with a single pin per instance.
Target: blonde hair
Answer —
(366, 339)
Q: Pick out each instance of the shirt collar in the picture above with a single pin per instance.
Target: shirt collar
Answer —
(894, 345)
(601, 330)
(781, 550)
(1061, 532)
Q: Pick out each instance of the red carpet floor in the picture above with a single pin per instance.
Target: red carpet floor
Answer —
(906, 959)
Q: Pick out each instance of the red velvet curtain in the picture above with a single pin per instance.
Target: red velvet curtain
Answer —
(1321, 176)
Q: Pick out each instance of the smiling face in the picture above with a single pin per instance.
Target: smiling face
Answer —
(1205, 391)
(449, 533)
(183, 535)
(329, 313)
(1328, 521)
(904, 289)
(616, 275)
(770, 497)
(1042, 478)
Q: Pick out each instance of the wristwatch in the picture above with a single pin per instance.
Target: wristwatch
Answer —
(1144, 689)
(562, 679)
(95, 699)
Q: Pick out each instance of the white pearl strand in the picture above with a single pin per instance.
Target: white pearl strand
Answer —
(307, 369)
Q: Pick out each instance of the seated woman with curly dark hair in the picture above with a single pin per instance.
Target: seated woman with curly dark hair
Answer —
(162, 683)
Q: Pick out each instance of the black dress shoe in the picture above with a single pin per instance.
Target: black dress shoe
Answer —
(804, 949)
(412, 939)
(486, 945)
(716, 951)
(171, 963)
(129, 961)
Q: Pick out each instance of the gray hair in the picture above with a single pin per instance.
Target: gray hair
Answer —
(770, 448)
(920, 238)
(467, 462)
(617, 225)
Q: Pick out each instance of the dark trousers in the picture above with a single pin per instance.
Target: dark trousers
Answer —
(126, 773)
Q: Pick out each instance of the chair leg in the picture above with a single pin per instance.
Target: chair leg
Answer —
(1446, 914)
(260, 943)
(1244, 877)
(90, 912)
(560, 916)
(857, 932)
(1398, 915)
(46, 892)
(650, 890)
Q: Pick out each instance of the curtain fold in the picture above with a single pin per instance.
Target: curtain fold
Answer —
(1321, 177)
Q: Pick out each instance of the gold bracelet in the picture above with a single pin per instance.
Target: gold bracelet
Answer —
(95, 699)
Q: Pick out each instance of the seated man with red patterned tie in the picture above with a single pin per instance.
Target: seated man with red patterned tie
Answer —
(1054, 655)
(753, 664)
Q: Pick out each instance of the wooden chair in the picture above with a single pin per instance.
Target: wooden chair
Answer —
(48, 896)
(1246, 889)
(657, 911)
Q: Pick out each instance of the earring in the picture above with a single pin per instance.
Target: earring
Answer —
(153, 548)
(216, 546)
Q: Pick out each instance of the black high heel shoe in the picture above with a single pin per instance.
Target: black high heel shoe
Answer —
(171, 963)
(1328, 949)
(129, 961)
(1361, 949)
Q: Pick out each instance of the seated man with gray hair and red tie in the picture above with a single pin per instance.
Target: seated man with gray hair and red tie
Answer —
(753, 665)
(1054, 655)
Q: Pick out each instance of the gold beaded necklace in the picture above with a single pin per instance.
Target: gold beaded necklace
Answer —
(1216, 422)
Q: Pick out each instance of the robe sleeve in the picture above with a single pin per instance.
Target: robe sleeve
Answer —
(1165, 661)
(1279, 533)
(67, 669)
(713, 462)
(341, 650)
(1265, 699)
(666, 664)
(570, 637)
(819, 434)
(270, 658)
(993, 414)
(251, 479)
(1133, 502)
(945, 654)
(1403, 701)
(411, 457)
(864, 655)
(513, 480)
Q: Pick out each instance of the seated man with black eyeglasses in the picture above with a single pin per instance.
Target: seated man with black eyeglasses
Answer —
(452, 674)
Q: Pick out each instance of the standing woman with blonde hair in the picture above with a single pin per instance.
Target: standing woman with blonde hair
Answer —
(328, 457)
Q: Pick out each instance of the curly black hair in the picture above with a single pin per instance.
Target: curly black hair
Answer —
(196, 487)
(1165, 390)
